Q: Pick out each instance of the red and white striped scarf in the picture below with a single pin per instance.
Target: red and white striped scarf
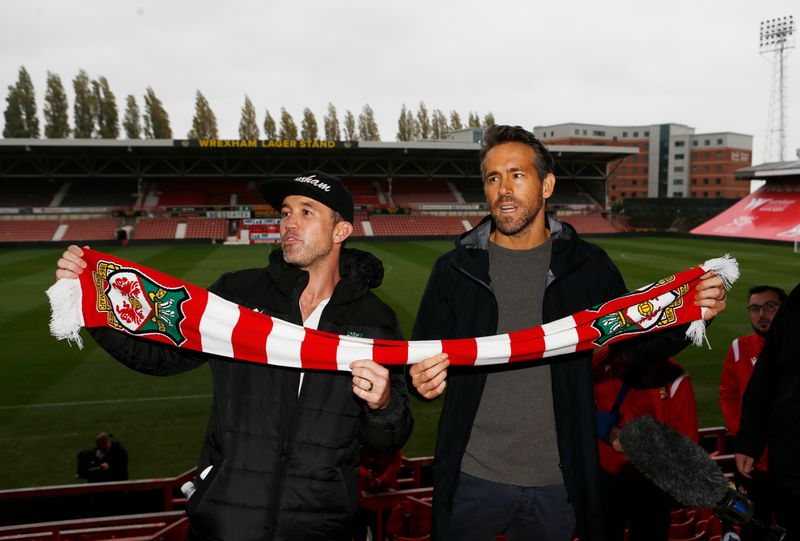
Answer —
(143, 302)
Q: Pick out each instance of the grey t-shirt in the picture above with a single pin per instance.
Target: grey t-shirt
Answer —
(513, 438)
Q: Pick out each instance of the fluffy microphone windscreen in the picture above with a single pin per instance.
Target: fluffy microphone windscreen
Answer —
(673, 462)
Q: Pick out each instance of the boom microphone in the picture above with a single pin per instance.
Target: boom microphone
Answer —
(683, 469)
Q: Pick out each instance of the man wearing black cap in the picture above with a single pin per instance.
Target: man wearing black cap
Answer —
(280, 456)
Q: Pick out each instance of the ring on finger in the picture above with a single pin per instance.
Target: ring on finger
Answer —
(371, 385)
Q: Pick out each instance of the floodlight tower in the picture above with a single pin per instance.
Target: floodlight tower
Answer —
(776, 40)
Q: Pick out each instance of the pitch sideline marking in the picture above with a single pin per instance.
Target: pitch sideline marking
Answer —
(96, 402)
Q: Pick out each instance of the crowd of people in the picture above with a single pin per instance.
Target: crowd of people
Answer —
(529, 451)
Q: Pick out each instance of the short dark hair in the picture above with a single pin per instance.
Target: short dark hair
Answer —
(755, 290)
(497, 134)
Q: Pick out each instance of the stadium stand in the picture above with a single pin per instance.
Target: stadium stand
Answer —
(155, 228)
(410, 192)
(589, 223)
(94, 193)
(29, 194)
(405, 225)
(364, 193)
(471, 190)
(28, 230)
(206, 228)
(91, 229)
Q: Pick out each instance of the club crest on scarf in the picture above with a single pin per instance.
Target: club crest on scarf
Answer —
(639, 318)
(138, 305)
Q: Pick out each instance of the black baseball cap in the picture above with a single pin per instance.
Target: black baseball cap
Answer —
(327, 189)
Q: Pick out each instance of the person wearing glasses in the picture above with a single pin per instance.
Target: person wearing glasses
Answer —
(762, 305)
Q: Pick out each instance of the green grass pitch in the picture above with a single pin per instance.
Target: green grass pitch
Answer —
(55, 398)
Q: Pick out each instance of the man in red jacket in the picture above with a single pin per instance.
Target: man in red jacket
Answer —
(762, 305)
(623, 391)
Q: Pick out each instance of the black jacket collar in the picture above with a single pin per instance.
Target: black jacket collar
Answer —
(360, 272)
(472, 249)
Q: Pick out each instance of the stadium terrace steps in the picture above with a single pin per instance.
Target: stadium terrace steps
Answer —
(28, 230)
(423, 225)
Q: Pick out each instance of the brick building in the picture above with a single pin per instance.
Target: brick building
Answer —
(672, 161)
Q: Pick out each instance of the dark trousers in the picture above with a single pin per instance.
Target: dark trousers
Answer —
(786, 503)
(636, 503)
(759, 492)
(483, 509)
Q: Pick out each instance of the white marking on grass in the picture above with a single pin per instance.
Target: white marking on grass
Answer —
(98, 402)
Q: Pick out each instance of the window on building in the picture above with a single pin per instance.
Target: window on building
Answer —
(644, 169)
(613, 186)
(647, 134)
(678, 182)
(623, 182)
(679, 156)
(707, 155)
(636, 134)
(694, 169)
(719, 181)
(577, 131)
(719, 154)
(694, 143)
(718, 167)
(614, 138)
(584, 132)
(680, 143)
(735, 156)
(623, 170)
(705, 194)
(707, 142)
(745, 156)
(624, 194)
(624, 134)
(677, 194)
(705, 168)
(718, 194)
(634, 182)
(634, 170)
(598, 133)
(705, 181)
(678, 169)
(633, 194)
(694, 181)
(720, 141)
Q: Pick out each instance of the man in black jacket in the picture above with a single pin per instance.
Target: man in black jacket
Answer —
(517, 444)
(771, 415)
(280, 458)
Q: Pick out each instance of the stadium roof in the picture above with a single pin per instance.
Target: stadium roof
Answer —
(771, 171)
(230, 158)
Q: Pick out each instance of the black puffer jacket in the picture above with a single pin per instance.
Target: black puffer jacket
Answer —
(284, 466)
(458, 302)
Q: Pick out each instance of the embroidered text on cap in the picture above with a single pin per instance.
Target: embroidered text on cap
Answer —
(312, 179)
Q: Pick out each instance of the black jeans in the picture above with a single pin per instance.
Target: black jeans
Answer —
(483, 509)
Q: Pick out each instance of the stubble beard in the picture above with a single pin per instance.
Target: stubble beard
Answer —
(304, 256)
(511, 226)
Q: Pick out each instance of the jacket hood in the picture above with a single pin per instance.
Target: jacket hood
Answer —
(361, 270)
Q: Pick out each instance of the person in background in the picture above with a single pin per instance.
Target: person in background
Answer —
(108, 461)
(762, 305)
(625, 390)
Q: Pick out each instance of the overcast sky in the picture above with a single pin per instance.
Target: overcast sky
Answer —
(530, 63)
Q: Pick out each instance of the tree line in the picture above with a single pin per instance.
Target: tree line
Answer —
(95, 115)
